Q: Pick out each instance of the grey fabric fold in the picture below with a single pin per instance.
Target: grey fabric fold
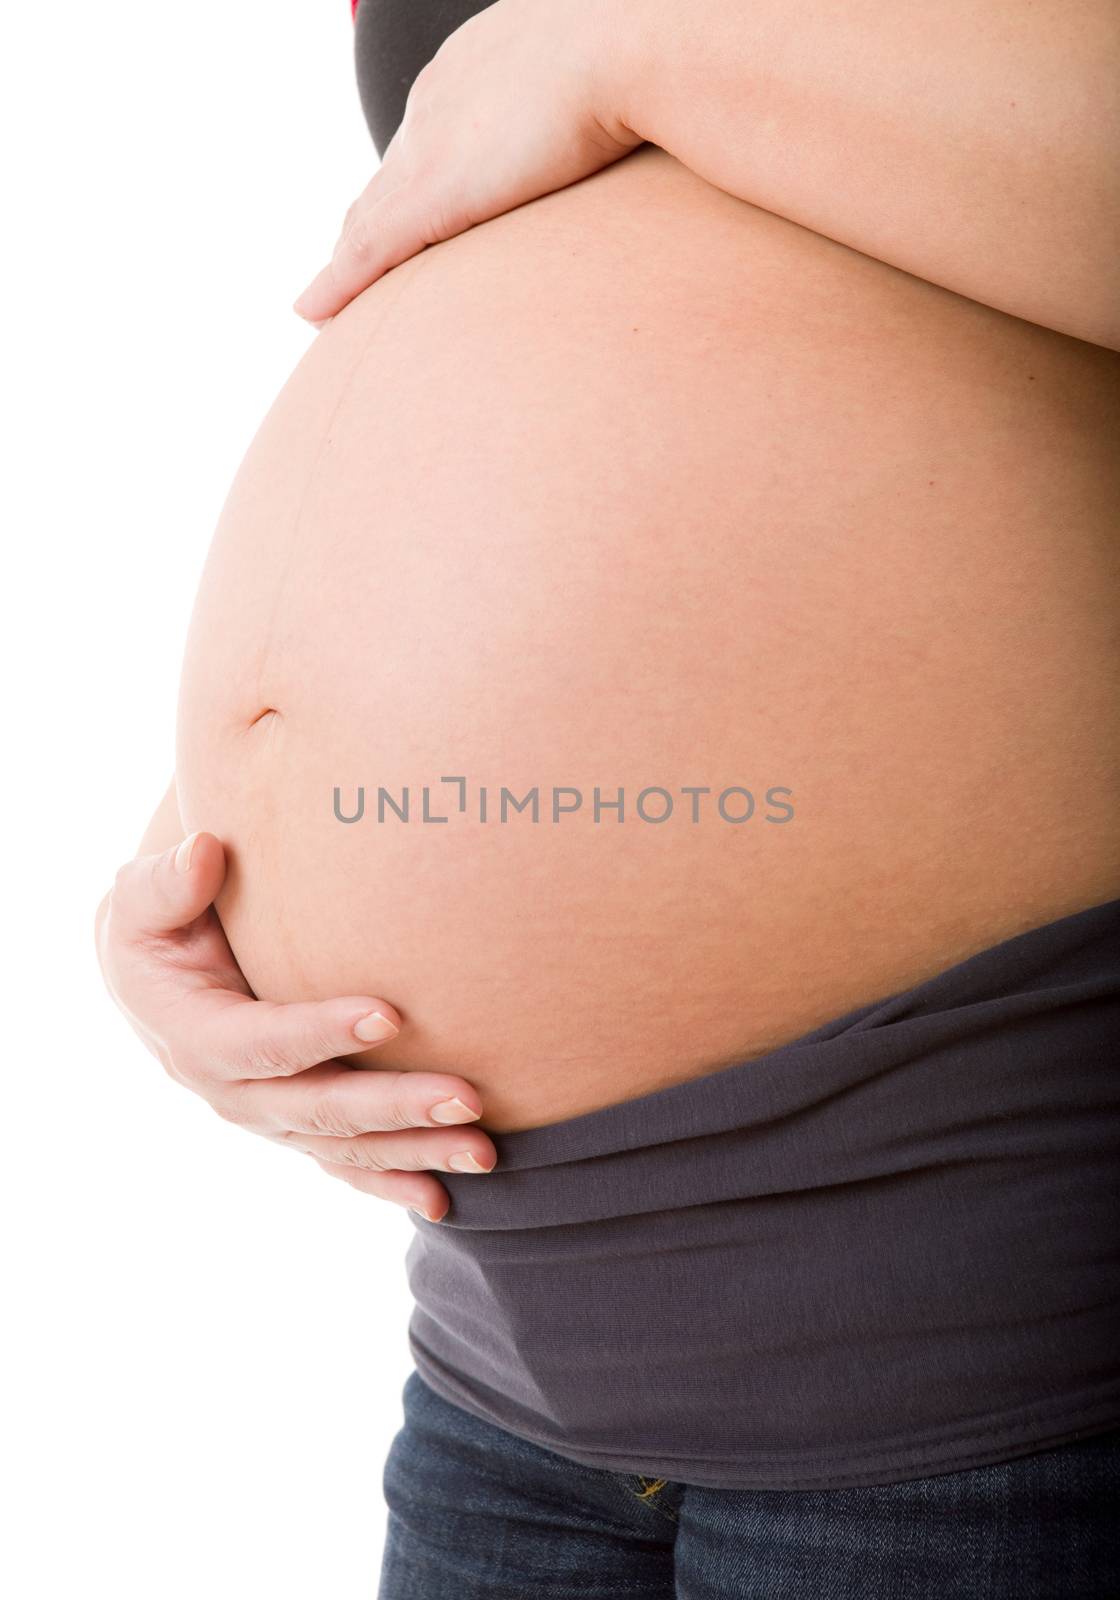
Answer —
(888, 1249)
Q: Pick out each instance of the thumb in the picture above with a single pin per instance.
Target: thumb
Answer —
(159, 894)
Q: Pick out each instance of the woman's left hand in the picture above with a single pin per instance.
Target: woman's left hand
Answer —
(513, 105)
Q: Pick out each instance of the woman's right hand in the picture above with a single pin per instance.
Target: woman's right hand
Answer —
(267, 1067)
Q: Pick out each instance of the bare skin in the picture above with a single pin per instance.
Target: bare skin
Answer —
(279, 1071)
(971, 145)
(639, 485)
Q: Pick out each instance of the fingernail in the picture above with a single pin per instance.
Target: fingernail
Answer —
(422, 1213)
(301, 302)
(185, 852)
(374, 1026)
(463, 1161)
(453, 1111)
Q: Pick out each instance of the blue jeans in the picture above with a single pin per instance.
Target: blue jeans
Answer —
(476, 1513)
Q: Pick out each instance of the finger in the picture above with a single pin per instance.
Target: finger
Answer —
(428, 1197)
(160, 894)
(340, 1103)
(244, 1038)
(390, 228)
(385, 178)
(409, 1151)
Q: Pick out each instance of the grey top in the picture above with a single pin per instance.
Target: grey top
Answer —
(889, 1249)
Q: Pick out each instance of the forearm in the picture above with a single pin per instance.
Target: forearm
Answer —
(974, 146)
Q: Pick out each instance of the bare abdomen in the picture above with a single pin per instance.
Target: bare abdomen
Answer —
(640, 488)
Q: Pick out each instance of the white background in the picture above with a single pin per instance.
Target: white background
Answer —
(205, 1336)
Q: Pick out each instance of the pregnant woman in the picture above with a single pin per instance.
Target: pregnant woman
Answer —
(659, 663)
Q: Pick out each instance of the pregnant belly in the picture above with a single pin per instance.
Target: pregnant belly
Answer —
(785, 582)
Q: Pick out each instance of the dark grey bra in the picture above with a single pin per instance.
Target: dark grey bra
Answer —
(392, 40)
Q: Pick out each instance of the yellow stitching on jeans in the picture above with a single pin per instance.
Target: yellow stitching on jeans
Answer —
(651, 1487)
